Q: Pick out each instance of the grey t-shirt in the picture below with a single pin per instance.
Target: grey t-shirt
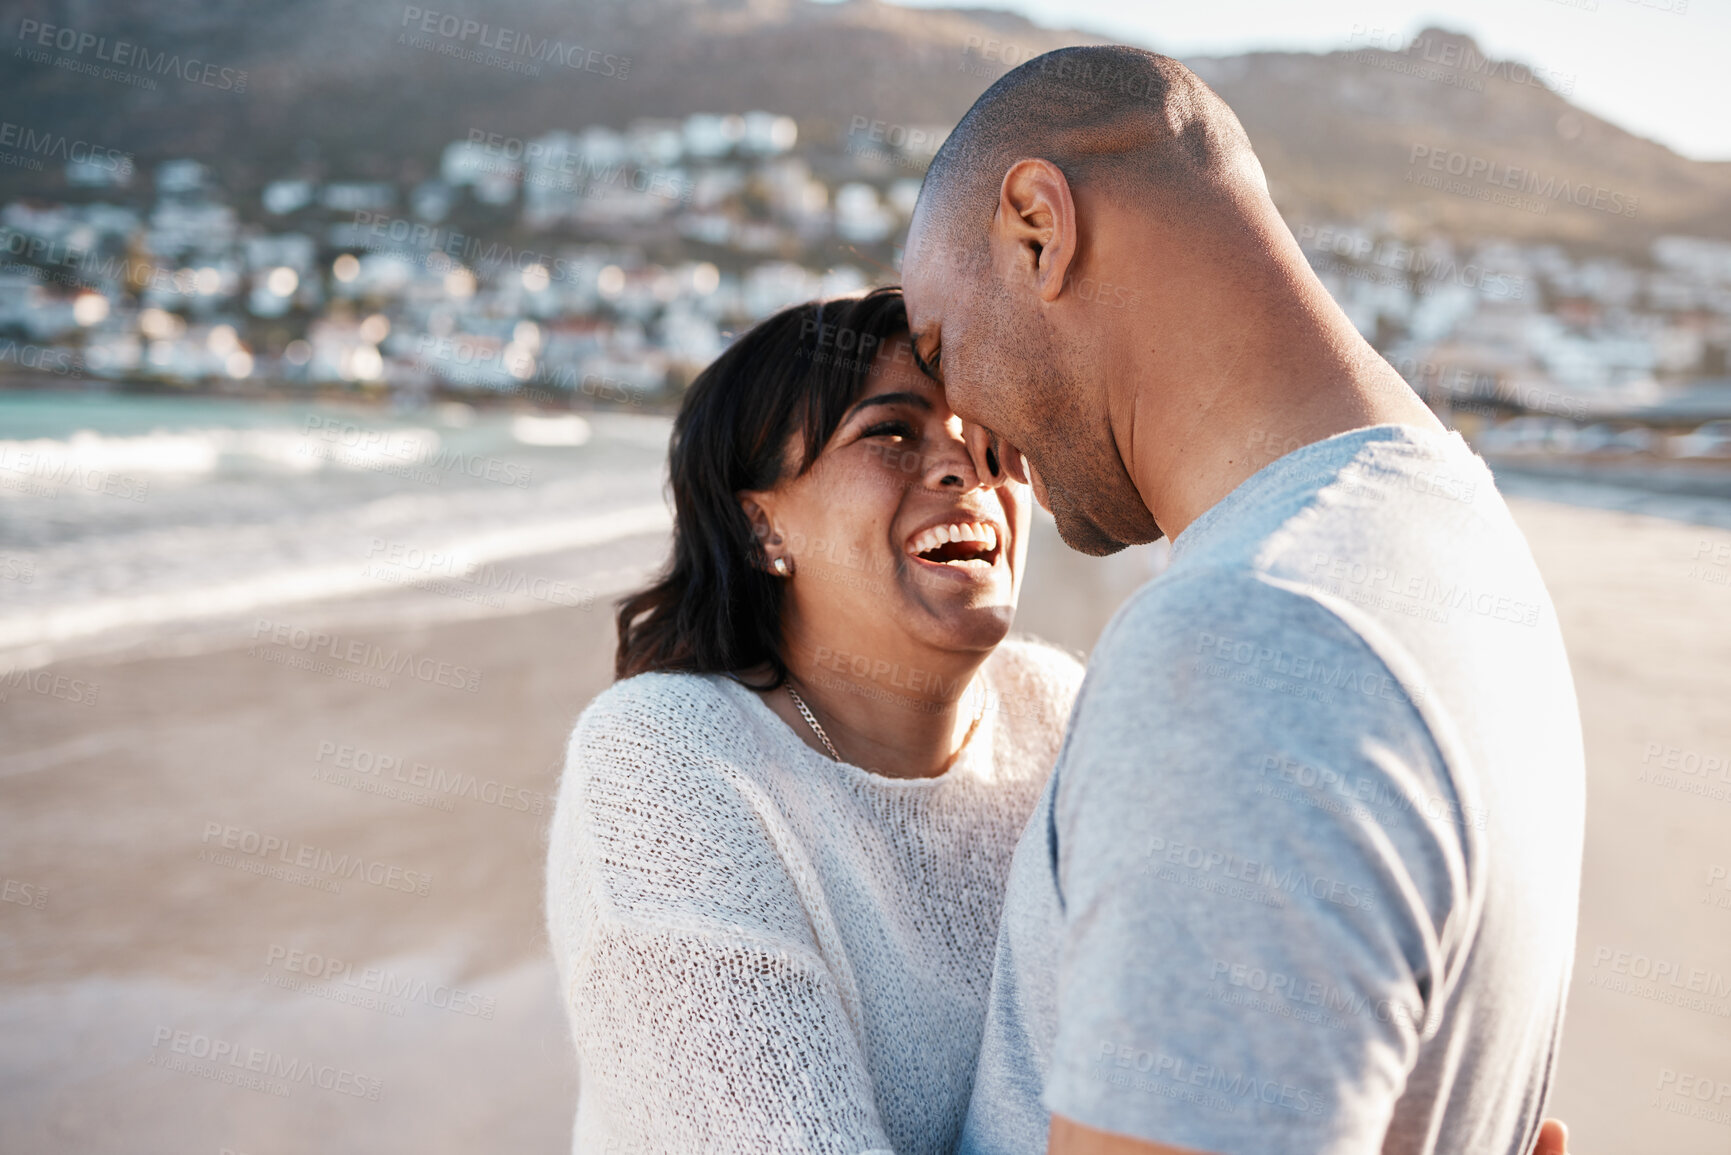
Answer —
(1306, 875)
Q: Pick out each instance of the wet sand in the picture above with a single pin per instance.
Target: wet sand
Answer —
(165, 985)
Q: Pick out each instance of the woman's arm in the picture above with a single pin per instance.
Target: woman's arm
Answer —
(690, 1043)
(705, 1000)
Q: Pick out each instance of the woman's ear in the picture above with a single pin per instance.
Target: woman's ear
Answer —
(761, 527)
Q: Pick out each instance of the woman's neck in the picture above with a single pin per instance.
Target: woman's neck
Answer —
(902, 711)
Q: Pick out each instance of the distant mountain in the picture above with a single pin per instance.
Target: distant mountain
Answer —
(1343, 133)
(367, 89)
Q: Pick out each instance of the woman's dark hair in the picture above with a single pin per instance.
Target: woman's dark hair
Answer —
(716, 608)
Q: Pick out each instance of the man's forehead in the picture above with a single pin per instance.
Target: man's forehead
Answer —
(916, 253)
(921, 273)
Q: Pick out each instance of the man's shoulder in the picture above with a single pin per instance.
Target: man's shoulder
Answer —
(1201, 607)
(1231, 657)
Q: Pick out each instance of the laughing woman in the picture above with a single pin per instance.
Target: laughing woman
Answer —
(778, 855)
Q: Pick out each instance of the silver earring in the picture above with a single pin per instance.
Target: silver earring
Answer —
(781, 567)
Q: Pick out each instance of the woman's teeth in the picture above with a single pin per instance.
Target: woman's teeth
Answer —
(975, 539)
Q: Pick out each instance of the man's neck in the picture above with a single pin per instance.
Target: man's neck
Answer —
(1190, 433)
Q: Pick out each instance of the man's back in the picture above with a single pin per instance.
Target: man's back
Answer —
(1306, 876)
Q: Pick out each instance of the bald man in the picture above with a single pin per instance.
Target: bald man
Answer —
(1305, 877)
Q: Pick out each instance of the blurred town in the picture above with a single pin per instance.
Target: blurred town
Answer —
(606, 267)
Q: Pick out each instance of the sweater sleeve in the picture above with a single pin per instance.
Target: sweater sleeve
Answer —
(706, 1013)
(687, 1043)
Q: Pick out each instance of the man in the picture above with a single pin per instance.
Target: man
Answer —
(1305, 878)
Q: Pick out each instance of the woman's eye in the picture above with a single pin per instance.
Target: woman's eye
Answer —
(890, 429)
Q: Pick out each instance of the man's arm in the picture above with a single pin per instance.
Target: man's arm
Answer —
(1247, 962)
(1068, 1138)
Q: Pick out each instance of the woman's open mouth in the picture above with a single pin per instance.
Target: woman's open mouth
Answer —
(958, 545)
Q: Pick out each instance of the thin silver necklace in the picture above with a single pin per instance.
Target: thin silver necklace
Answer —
(811, 720)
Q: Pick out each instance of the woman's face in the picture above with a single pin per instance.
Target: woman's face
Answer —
(893, 539)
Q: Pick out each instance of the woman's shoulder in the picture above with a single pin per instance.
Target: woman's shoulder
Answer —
(663, 733)
(658, 810)
(663, 707)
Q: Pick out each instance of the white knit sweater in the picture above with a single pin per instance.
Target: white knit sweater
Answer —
(764, 950)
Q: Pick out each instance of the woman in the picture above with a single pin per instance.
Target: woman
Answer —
(778, 856)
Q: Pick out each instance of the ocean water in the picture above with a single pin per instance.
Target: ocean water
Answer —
(127, 518)
(121, 515)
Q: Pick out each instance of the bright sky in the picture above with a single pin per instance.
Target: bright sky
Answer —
(1654, 67)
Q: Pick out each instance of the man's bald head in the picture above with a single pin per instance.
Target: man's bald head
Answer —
(1123, 118)
(1076, 239)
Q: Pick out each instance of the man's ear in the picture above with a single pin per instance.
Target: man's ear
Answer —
(1037, 214)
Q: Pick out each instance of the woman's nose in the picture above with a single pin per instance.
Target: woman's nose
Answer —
(951, 467)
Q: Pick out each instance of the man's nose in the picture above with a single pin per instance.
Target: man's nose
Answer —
(984, 453)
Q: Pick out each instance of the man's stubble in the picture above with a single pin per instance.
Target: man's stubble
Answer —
(1066, 435)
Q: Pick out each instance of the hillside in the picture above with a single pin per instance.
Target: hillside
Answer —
(339, 89)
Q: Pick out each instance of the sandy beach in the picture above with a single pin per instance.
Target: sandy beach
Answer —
(257, 902)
